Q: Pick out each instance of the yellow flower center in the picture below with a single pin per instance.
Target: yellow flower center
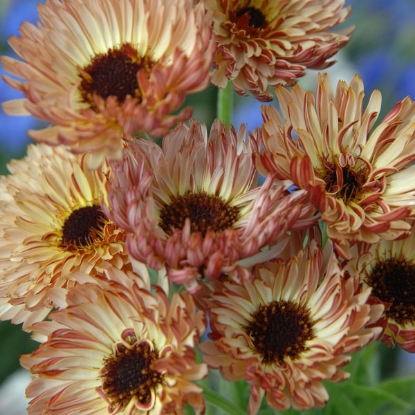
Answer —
(279, 330)
(393, 281)
(206, 212)
(83, 227)
(127, 374)
(113, 73)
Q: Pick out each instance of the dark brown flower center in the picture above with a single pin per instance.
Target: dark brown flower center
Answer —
(344, 182)
(113, 73)
(279, 330)
(250, 16)
(206, 212)
(393, 281)
(83, 226)
(127, 374)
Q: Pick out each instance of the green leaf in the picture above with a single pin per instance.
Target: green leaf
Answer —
(14, 343)
(364, 367)
(218, 401)
(400, 386)
(341, 402)
(378, 396)
(404, 389)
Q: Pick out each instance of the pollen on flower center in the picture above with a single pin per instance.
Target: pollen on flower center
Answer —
(205, 211)
(249, 17)
(83, 226)
(127, 374)
(279, 330)
(393, 281)
(344, 182)
(113, 74)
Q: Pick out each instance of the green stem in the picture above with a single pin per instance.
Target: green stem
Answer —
(226, 407)
(225, 104)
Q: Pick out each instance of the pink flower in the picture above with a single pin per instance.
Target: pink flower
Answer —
(194, 204)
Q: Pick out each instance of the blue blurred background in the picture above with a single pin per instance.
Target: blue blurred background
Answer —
(381, 51)
(13, 137)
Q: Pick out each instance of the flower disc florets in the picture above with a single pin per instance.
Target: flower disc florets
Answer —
(388, 268)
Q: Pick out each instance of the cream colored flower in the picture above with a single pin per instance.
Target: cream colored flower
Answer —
(359, 176)
(101, 69)
(265, 43)
(194, 204)
(291, 328)
(388, 267)
(51, 225)
(118, 348)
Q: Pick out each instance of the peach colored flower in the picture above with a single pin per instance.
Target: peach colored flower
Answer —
(266, 43)
(51, 225)
(194, 204)
(388, 267)
(291, 328)
(358, 175)
(101, 69)
(118, 348)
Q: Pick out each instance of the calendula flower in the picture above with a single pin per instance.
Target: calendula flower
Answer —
(388, 267)
(194, 204)
(101, 69)
(291, 328)
(51, 225)
(266, 43)
(118, 348)
(358, 175)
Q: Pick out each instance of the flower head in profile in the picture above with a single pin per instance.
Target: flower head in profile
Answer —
(194, 204)
(265, 43)
(103, 69)
(116, 347)
(51, 225)
(388, 267)
(358, 175)
(291, 328)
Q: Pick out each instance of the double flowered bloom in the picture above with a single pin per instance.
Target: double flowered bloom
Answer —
(290, 329)
(117, 347)
(358, 175)
(193, 205)
(103, 70)
(267, 43)
(52, 225)
(99, 210)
